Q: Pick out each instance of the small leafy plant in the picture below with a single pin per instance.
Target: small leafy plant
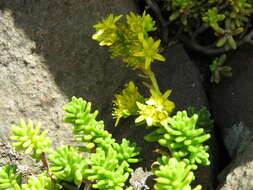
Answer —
(218, 69)
(212, 27)
(106, 167)
(227, 20)
(181, 134)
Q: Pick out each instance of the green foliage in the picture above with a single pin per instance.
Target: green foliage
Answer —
(130, 40)
(127, 151)
(29, 139)
(183, 139)
(218, 69)
(204, 118)
(67, 164)
(9, 179)
(106, 170)
(180, 134)
(40, 182)
(225, 18)
(106, 167)
(212, 27)
(90, 131)
(173, 175)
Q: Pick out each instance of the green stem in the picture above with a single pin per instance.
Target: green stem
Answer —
(152, 77)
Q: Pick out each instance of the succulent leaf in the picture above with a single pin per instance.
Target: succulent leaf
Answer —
(90, 131)
(106, 170)
(67, 164)
(28, 138)
(174, 175)
(40, 182)
(9, 178)
(204, 118)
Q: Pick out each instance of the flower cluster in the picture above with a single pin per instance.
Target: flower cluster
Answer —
(125, 102)
(130, 40)
(156, 109)
(182, 135)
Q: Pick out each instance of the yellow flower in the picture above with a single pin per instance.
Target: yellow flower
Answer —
(156, 109)
(150, 50)
(140, 24)
(125, 102)
(161, 101)
(106, 30)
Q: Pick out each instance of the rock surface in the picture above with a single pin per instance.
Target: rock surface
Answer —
(47, 56)
(232, 100)
(238, 175)
(232, 106)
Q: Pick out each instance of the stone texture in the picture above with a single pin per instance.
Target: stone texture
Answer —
(232, 106)
(238, 175)
(47, 56)
(232, 100)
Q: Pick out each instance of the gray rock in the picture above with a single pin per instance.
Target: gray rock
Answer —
(237, 139)
(47, 56)
(232, 106)
(232, 101)
(238, 175)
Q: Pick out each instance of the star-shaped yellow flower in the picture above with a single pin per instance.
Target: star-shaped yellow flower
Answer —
(150, 50)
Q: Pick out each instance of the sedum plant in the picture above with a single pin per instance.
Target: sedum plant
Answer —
(218, 69)
(106, 167)
(212, 27)
(27, 137)
(9, 179)
(173, 175)
(183, 139)
(204, 118)
(228, 22)
(183, 135)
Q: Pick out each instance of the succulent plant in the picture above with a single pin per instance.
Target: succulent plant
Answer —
(28, 138)
(40, 182)
(130, 40)
(67, 164)
(183, 139)
(218, 69)
(127, 151)
(204, 118)
(106, 170)
(174, 175)
(9, 178)
(85, 126)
